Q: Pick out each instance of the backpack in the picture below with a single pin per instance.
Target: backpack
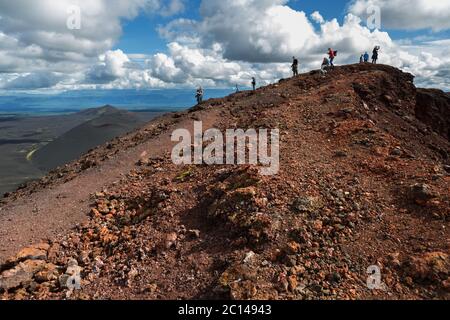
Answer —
(335, 53)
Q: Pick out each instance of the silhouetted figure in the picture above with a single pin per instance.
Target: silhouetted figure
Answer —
(199, 95)
(375, 54)
(295, 66)
(254, 83)
(366, 57)
(237, 88)
(361, 59)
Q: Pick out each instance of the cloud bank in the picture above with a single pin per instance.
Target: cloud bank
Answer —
(408, 14)
(231, 42)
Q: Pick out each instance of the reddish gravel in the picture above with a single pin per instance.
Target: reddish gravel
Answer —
(59, 201)
(362, 182)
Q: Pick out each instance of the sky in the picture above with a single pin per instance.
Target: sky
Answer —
(53, 46)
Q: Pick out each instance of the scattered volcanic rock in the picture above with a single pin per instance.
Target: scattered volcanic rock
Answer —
(422, 193)
(355, 162)
(433, 266)
(20, 275)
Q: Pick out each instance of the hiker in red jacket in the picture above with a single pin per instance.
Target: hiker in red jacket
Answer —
(331, 54)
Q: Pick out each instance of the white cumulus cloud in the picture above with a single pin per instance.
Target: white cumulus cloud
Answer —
(407, 14)
(230, 43)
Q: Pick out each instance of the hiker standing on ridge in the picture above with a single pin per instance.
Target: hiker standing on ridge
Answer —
(375, 54)
(199, 95)
(295, 66)
(361, 59)
(325, 65)
(254, 83)
(332, 54)
(366, 57)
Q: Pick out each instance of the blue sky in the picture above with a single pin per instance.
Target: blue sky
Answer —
(157, 44)
(140, 34)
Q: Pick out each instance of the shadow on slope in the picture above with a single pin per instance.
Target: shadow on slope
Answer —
(108, 124)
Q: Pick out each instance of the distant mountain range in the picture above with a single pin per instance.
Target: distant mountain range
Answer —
(75, 101)
(30, 146)
(107, 123)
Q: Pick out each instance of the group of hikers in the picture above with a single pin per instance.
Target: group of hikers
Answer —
(327, 63)
(365, 57)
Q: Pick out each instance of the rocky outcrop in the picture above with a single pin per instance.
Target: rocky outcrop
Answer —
(433, 267)
(433, 108)
(20, 270)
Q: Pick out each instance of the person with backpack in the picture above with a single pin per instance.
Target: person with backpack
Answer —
(366, 57)
(375, 54)
(254, 83)
(325, 65)
(331, 54)
(199, 95)
(361, 59)
(295, 66)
